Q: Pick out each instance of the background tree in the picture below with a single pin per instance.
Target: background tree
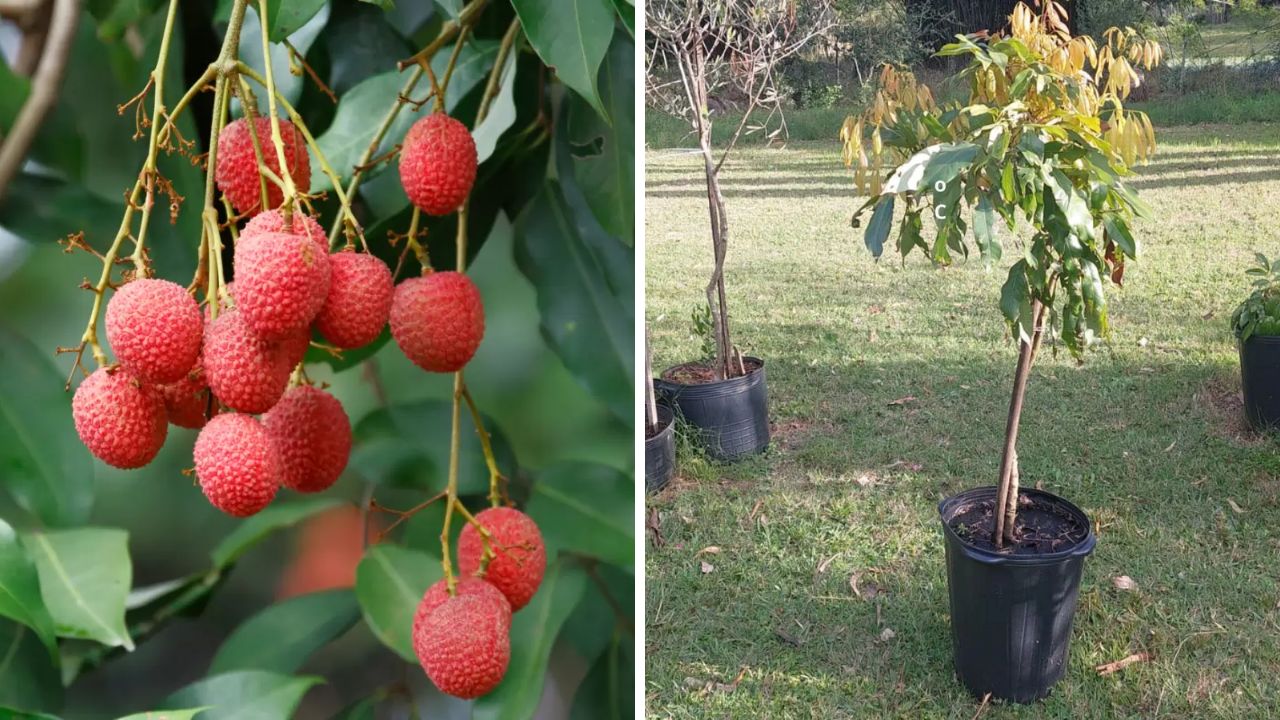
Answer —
(697, 49)
(131, 593)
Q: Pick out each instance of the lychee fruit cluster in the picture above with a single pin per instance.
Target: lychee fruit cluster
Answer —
(463, 640)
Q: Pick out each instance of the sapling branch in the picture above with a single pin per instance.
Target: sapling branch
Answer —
(496, 477)
(1006, 494)
(290, 191)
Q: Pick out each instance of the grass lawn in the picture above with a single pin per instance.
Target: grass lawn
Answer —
(889, 387)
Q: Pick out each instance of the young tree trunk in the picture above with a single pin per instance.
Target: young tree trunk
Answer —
(650, 400)
(1007, 493)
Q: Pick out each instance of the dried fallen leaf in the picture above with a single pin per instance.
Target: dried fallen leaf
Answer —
(822, 566)
(875, 310)
(1234, 507)
(1124, 582)
(887, 634)
(1175, 442)
(853, 584)
(709, 550)
(903, 400)
(653, 524)
(707, 567)
(1108, 668)
(866, 480)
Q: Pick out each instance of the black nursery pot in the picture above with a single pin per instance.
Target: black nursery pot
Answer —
(732, 416)
(1260, 380)
(1011, 614)
(660, 453)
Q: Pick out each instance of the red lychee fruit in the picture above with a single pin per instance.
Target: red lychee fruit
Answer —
(312, 434)
(303, 224)
(237, 465)
(359, 300)
(464, 645)
(244, 371)
(154, 327)
(237, 171)
(187, 400)
(438, 164)
(520, 557)
(281, 282)
(438, 320)
(295, 347)
(435, 596)
(119, 418)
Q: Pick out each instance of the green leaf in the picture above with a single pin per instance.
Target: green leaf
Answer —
(984, 229)
(570, 36)
(45, 468)
(606, 693)
(282, 637)
(947, 162)
(285, 16)
(586, 508)
(471, 69)
(878, 228)
(244, 695)
(14, 89)
(502, 113)
(391, 448)
(1118, 232)
(627, 13)
(85, 576)
(607, 177)
(20, 590)
(1015, 301)
(582, 320)
(384, 4)
(186, 714)
(274, 517)
(533, 632)
(390, 582)
(353, 127)
(29, 679)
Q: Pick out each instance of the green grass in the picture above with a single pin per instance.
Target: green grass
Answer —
(1230, 107)
(1146, 437)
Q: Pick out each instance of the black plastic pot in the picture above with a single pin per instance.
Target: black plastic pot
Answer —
(732, 416)
(1260, 380)
(660, 452)
(1011, 614)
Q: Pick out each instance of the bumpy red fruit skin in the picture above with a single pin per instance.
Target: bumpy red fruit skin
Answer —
(245, 372)
(281, 283)
(303, 224)
(154, 327)
(464, 646)
(236, 464)
(438, 320)
(435, 596)
(520, 555)
(359, 300)
(312, 434)
(438, 164)
(187, 400)
(119, 418)
(237, 171)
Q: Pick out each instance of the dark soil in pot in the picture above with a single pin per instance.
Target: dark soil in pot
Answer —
(731, 416)
(1011, 611)
(660, 451)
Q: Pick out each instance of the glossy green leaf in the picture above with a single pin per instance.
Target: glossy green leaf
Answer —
(1118, 232)
(390, 581)
(595, 618)
(276, 516)
(946, 163)
(186, 714)
(14, 89)
(20, 597)
(984, 229)
(607, 176)
(286, 16)
(85, 575)
(353, 127)
(471, 69)
(572, 37)
(587, 509)
(244, 695)
(627, 13)
(502, 113)
(1015, 301)
(392, 449)
(582, 320)
(281, 637)
(878, 229)
(533, 633)
(606, 693)
(45, 468)
(29, 679)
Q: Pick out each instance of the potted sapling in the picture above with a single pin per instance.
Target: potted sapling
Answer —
(1041, 140)
(696, 51)
(1256, 325)
(659, 434)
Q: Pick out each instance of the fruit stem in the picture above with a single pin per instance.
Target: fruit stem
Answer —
(344, 211)
(171, 116)
(495, 476)
(451, 490)
(495, 75)
(249, 104)
(149, 170)
(419, 250)
(486, 538)
(276, 138)
(468, 16)
(443, 89)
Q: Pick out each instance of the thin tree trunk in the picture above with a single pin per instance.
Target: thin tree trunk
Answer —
(1007, 493)
(650, 400)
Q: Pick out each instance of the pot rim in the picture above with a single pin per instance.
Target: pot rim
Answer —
(750, 374)
(1260, 340)
(1081, 549)
(668, 428)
